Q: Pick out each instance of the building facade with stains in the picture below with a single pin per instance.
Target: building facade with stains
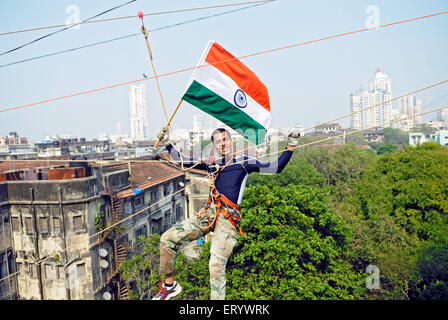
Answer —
(65, 230)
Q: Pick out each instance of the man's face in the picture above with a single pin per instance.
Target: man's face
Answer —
(222, 143)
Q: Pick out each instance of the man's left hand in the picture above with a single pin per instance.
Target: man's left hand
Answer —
(293, 139)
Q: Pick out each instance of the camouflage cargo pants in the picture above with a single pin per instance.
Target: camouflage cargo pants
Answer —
(224, 239)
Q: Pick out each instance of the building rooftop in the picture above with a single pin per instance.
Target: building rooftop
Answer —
(148, 174)
(15, 165)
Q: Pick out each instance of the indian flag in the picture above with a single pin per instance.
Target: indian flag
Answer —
(225, 88)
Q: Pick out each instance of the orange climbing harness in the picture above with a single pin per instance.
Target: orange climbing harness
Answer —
(229, 210)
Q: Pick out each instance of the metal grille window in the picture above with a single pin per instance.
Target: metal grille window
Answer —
(49, 271)
(43, 224)
(81, 271)
(29, 225)
(32, 269)
(61, 272)
(77, 223)
(16, 223)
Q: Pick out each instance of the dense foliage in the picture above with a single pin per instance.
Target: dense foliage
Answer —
(312, 230)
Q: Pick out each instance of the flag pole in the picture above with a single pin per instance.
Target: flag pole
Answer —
(169, 120)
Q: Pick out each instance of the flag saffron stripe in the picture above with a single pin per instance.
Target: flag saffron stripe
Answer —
(226, 88)
(242, 75)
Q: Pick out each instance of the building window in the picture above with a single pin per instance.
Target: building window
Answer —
(154, 195)
(49, 271)
(29, 225)
(138, 202)
(77, 223)
(179, 213)
(32, 270)
(61, 272)
(81, 271)
(127, 208)
(156, 225)
(43, 224)
(167, 220)
(56, 225)
(16, 223)
(20, 268)
(140, 232)
(166, 190)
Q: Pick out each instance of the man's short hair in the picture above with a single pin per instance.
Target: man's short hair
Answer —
(220, 130)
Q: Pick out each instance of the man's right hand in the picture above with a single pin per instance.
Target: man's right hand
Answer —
(164, 136)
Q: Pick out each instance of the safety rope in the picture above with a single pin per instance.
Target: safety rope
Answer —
(200, 181)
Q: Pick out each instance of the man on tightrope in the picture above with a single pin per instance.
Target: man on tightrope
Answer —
(222, 214)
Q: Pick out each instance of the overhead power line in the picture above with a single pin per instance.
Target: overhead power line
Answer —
(66, 28)
(195, 180)
(133, 35)
(136, 16)
(241, 57)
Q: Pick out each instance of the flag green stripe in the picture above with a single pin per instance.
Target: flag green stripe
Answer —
(208, 101)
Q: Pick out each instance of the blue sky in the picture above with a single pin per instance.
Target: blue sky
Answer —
(307, 84)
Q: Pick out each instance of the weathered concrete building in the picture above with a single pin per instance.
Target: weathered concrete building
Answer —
(71, 227)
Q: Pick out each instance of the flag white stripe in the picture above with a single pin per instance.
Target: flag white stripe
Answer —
(225, 87)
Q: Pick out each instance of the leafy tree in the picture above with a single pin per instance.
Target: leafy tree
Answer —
(292, 249)
(433, 263)
(141, 271)
(395, 136)
(424, 128)
(386, 148)
(357, 138)
(409, 189)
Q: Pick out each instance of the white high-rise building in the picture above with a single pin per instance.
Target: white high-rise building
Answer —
(379, 90)
(356, 104)
(409, 106)
(138, 112)
(443, 115)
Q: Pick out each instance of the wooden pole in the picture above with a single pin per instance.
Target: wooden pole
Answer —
(171, 118)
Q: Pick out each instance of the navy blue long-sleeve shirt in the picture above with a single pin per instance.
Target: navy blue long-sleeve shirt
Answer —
(231, 182)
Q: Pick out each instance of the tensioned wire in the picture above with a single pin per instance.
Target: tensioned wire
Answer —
(350, 133)
(117, 162)
(65, 28)
(222, 61)
(357, 111)
(199, 180)
(136, 16)
(134, 34)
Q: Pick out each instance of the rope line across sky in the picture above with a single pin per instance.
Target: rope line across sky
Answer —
(197, 180)
(239, 58)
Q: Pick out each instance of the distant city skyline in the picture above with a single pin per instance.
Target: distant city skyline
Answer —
(138, 112)
(307, 85)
